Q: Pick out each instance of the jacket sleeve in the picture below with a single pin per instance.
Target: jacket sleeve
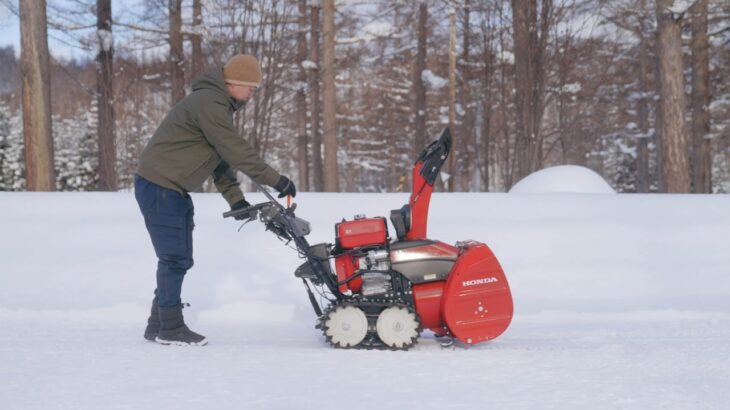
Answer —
(216, 123)
(225, 180)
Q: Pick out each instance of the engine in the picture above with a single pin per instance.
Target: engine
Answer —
(362, 260)
(373, 267)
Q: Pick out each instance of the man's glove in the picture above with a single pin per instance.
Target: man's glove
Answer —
(240, 205)
(285, 187)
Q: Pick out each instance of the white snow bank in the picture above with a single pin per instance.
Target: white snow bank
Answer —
(563, 178)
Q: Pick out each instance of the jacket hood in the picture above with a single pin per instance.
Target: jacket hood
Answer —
(213, 80)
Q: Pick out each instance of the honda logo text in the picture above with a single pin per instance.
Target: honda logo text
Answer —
(482, 281)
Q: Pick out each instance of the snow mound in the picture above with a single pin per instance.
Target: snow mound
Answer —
(563, 178)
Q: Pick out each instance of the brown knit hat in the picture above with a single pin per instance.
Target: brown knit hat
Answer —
(242, 69)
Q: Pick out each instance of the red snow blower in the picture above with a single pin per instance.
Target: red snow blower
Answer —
(378, 293)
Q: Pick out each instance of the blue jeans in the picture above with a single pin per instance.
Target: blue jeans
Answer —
(168, 216)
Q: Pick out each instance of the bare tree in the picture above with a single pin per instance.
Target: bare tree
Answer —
(530, 43)
(452, 101)
(301, 99)
(702, 160)
(419, 88)
(177, 58)
(467, 128)
(329, 103)
(642, 155)
(485, 131)
(105, 97)
(634, 16)
(34, 68)
(314, 78)
(672, 105)
(196, 40)
(505, 145)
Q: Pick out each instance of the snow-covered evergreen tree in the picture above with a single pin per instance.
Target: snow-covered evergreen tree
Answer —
(12, 161)
(76, 152)
(4, 144)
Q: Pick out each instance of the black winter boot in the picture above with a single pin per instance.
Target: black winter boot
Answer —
(153, 322)
(173, 330)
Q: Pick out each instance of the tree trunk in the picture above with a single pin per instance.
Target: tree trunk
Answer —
(563, 137)
(34, 63)
(505, 159)
(301, 99)
(198, 66)
(486, 128)
(196, 40)
(642, 155)
(105, 97)
(317, 169)
(452, 101)
(672, 104)
(177, 59)
(702, 160)
(329, 103)
(658, 123)
(523, 23)
(467, 128)
(419, 89)
(529, 50)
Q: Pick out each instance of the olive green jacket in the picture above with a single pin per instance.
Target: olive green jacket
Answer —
(197, 139)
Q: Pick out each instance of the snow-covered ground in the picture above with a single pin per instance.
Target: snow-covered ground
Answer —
(621, 302)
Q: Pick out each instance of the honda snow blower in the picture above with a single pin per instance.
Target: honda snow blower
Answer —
(378, 293)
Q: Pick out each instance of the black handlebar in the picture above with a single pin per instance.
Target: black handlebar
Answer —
(249, 212)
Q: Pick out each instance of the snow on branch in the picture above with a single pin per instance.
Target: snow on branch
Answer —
(432, 80)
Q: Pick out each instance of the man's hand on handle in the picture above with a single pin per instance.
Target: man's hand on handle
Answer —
(285, 187)
(240, 205)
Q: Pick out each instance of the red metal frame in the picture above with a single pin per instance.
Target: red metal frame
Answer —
(427, 298)
(346, 266)
(419, 202)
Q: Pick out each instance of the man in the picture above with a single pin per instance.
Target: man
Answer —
(195, 140)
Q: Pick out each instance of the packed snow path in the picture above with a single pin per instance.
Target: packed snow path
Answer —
(622, 301)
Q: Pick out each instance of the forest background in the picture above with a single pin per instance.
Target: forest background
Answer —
(636, 90)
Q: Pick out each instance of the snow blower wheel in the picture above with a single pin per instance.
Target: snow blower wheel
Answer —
(345, 326)
(398, 327)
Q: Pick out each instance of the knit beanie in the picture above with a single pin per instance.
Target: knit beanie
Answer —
(242, 69)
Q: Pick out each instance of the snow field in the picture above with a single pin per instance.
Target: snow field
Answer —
(622, 301)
